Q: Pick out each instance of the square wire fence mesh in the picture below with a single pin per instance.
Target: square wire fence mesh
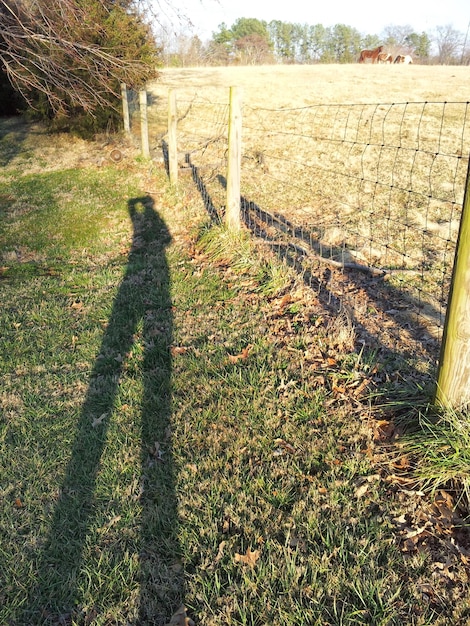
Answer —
(365, 200)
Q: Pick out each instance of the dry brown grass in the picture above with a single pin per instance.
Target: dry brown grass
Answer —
(367, 163)
(304, 85)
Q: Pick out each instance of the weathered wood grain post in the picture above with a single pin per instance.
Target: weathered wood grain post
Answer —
(125, 108)
(144, 129)
(232, 215)
(172, 142)
(453, 378)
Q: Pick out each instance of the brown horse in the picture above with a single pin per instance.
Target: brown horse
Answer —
(385, 57)
(373, 55)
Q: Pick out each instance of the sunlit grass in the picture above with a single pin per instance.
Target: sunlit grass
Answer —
(180, 426)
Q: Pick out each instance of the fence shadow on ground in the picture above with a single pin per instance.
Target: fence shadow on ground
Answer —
(141, 313)
(382, 321)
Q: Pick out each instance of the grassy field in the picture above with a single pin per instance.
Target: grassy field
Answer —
(274, 86)
(184, 422)
(358, 164)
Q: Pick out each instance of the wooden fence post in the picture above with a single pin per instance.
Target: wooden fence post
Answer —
(172, 143)
(125, 108)
(453, 378)
(232, 215)
(144, 130)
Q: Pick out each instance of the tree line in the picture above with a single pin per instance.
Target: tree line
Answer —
(63, 61)
(252, 41)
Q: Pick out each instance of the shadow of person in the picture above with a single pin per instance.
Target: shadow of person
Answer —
(144, 556)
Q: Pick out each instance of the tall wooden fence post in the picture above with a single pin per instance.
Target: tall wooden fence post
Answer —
(144, 129)
(453, 378)
(125, 108)
(232, 215)
(172, 143)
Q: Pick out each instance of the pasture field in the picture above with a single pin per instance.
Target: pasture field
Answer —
(187, 431)
(363, 164)
(276, 86)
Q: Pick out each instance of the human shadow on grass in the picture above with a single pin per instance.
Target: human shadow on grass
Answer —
(144, 561)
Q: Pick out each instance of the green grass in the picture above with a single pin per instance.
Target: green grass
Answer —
(441, 442)
(166, 416)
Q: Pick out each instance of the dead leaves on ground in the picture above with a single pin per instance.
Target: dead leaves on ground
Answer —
(176, 350)
(244, 354)
(438, 530)
(180, 618)
(250, 557)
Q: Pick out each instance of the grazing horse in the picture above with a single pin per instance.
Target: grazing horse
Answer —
(403, 58)
(385, 57)
(373, 55)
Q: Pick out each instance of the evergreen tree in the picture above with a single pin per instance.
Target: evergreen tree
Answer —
(67, 58)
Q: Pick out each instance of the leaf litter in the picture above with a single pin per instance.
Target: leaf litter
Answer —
(431, 528)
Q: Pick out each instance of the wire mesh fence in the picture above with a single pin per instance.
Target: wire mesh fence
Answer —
(365, 200)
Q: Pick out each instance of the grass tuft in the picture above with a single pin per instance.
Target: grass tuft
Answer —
(441, 446)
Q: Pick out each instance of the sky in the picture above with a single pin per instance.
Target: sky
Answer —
(367, 16)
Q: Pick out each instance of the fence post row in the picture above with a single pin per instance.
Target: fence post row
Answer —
(453, 378)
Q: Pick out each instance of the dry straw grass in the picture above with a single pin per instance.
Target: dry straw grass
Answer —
(364, 164)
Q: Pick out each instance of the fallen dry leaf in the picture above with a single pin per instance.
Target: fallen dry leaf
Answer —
(383, 430)
(285, 445)
(99, 420)
(234, 358)
(362, 490)
(180, 618)
(361, 387)
(178, 350)
(219, 556)
(249, 558)
(402, 463)
(109, 524)
(156, 452)
(415, 532)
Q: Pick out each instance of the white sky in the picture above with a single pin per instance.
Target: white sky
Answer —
(367, 16)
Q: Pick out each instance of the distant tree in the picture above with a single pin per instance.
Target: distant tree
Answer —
(294, 43)
(249, 26)
(397, 37)
(314, 44)
(371, 42)
(247, 40)
(449, 44)
(218, 53)
(187, 51)
(223, 35)
(403, 40)
(253, 50)
(282, 35)
(344, 43)
(419, 45)
(68, 57)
